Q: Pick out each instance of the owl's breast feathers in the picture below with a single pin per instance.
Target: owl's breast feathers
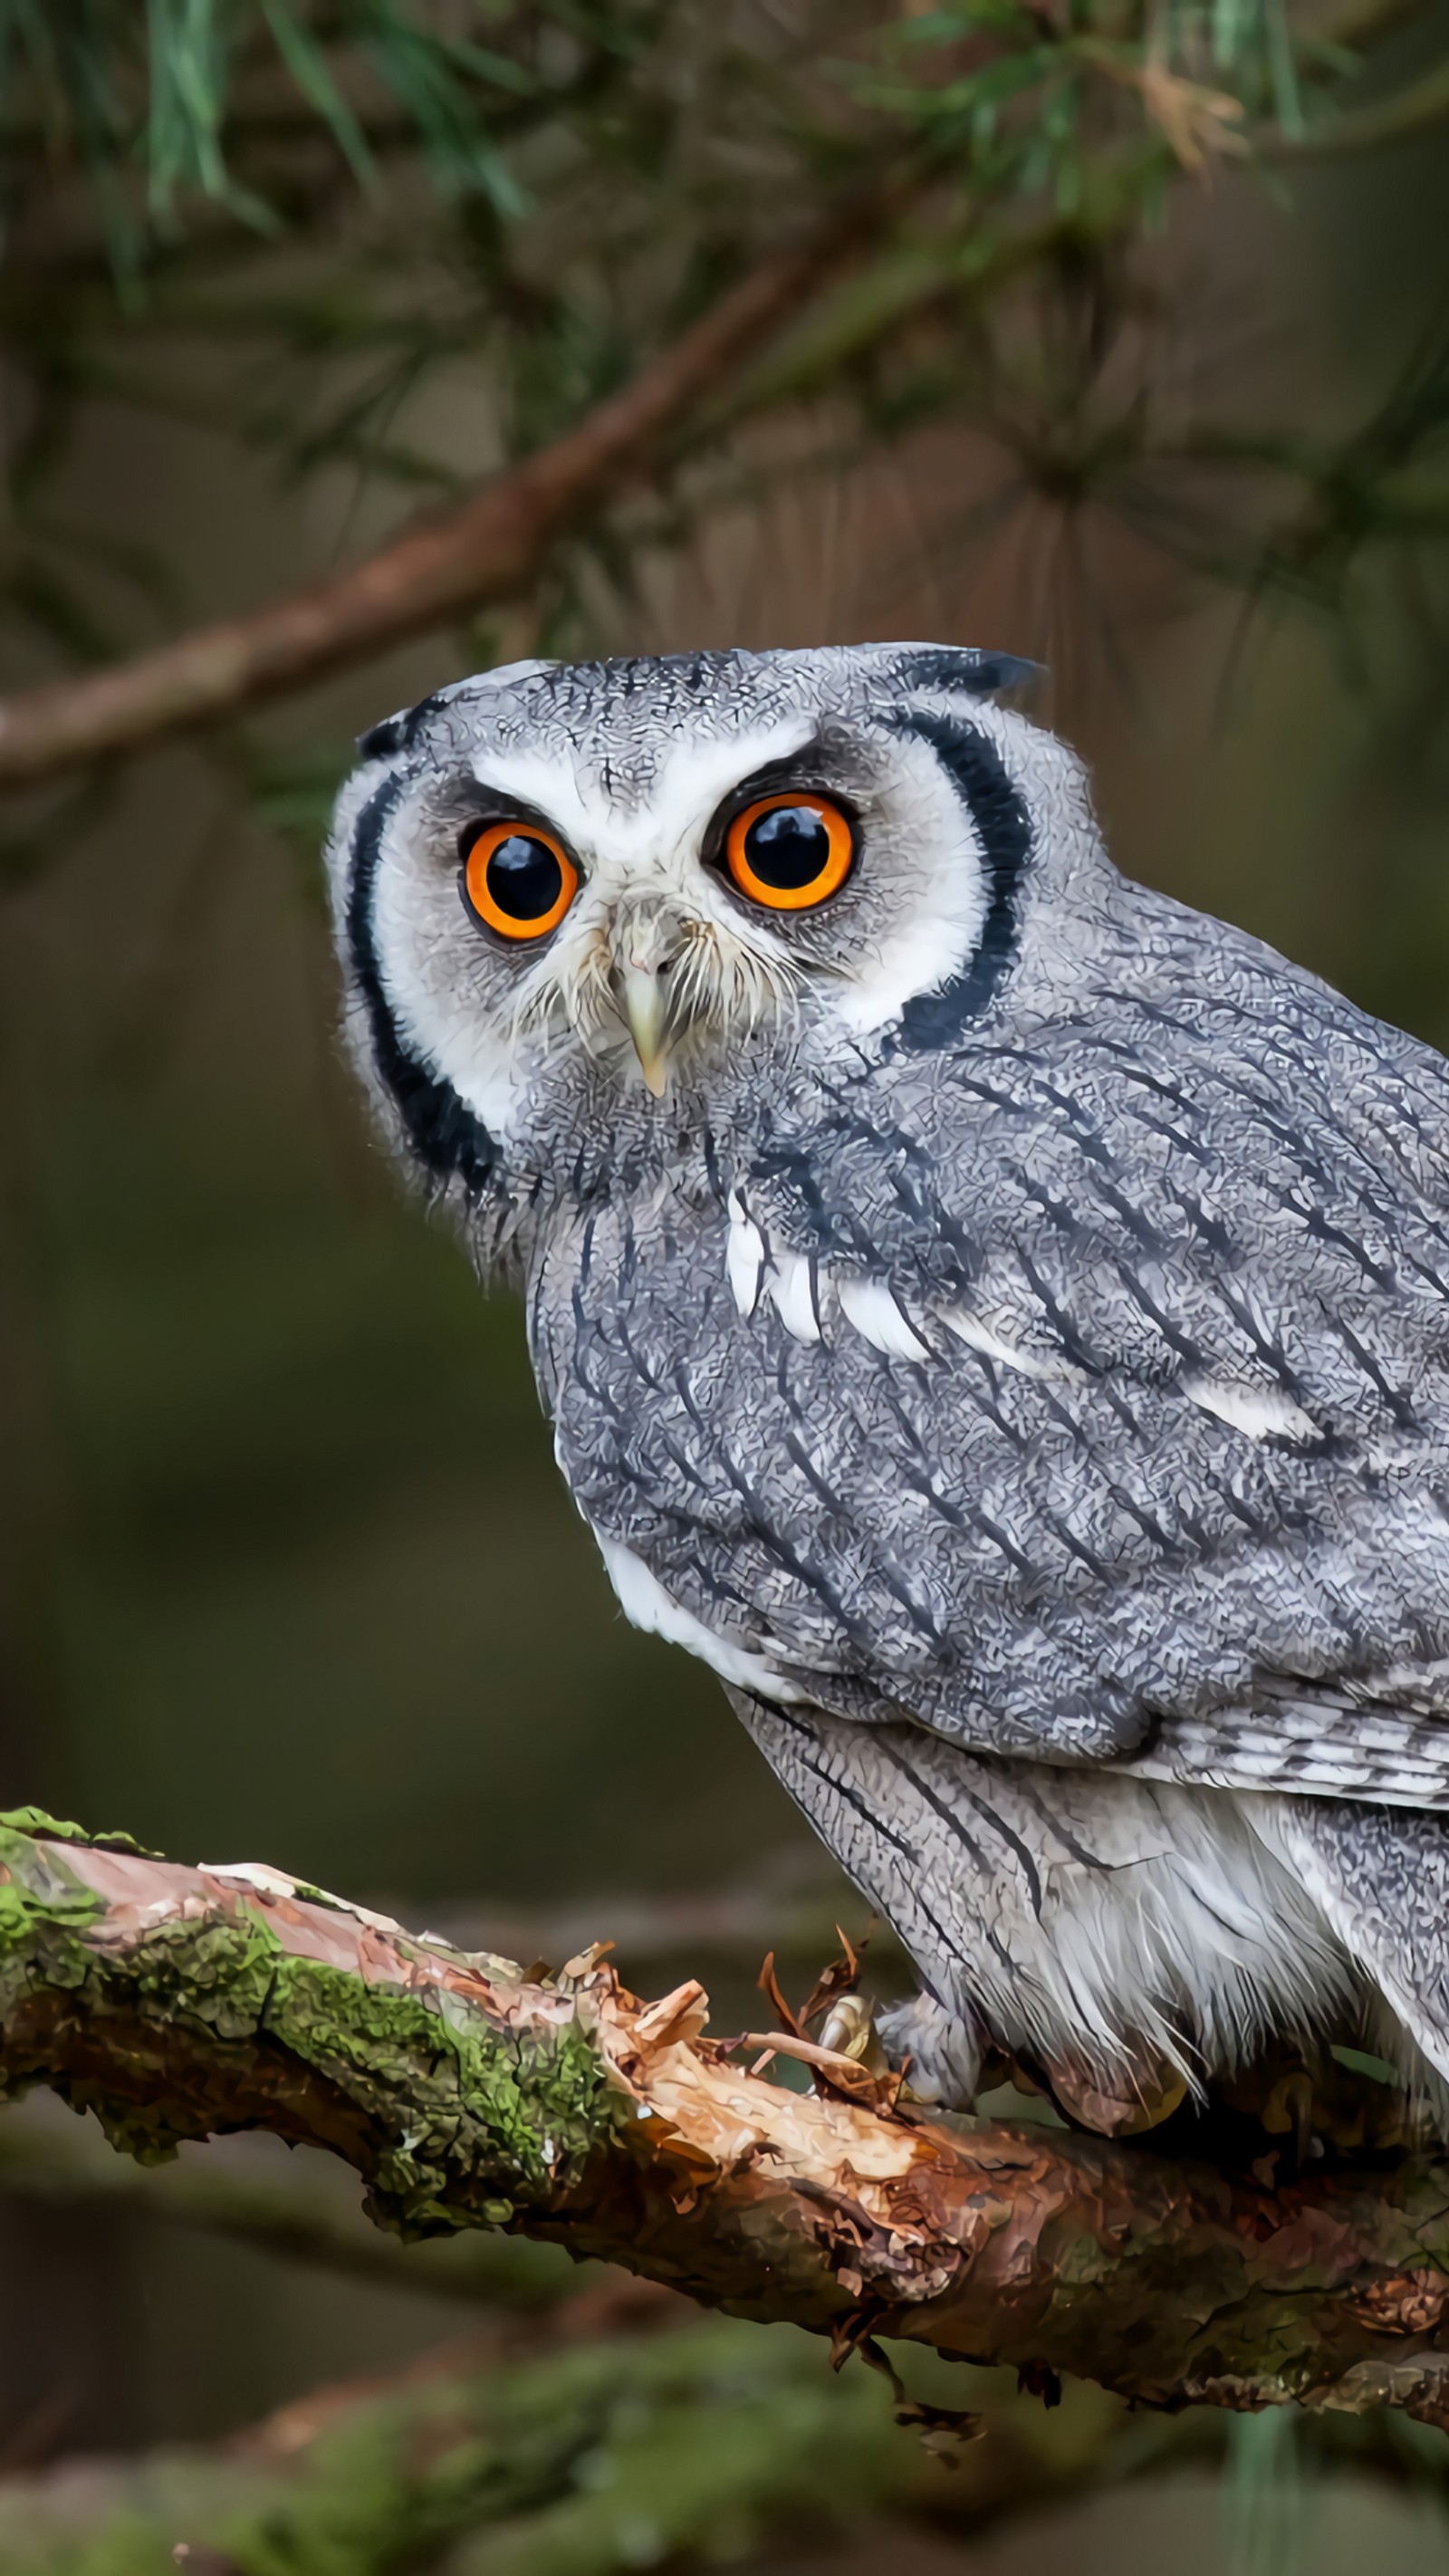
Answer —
(1080, 1390)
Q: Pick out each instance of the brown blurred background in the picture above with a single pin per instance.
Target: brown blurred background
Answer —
(288, 1573)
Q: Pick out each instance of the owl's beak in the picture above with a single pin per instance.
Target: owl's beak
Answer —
(646, 1017)
(647, 941)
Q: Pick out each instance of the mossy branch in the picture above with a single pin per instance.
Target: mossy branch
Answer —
(179, 2002)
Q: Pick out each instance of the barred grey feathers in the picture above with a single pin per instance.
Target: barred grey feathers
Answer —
(1010, 1343)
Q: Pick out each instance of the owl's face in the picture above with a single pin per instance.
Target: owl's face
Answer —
(642, 877)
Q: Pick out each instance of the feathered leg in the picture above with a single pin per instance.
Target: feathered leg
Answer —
(874, 1834)
(1125, 1938)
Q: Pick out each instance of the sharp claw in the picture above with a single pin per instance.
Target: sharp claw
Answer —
(849, 2028)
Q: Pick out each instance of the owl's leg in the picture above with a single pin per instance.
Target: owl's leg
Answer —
(1123, 1939)
(819, 1760)
(940, 2050)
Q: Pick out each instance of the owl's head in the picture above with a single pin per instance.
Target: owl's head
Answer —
(640, 877)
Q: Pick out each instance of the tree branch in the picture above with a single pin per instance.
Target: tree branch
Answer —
(489, 548)
(617, 2432)
(1412, 109)
(180, 2002)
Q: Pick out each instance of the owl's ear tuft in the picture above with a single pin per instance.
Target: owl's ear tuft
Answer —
(960, 671)
(400, 732)
(381, 740)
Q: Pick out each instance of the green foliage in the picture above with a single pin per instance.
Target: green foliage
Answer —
(601, 2458)
(182, 96)
(672, 2448)
(172, 95)
(56, 1829)
(295, 224)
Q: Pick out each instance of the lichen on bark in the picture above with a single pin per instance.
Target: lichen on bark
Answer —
(178, 2003)
(451, 2115)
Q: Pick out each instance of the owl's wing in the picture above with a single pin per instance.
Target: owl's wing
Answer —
(1081, 1392)
(1382, 1882)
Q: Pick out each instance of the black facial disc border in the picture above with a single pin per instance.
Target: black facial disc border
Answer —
(1002, 825)
(448, 1140)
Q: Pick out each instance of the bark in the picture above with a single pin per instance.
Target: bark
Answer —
(180, 2002)
(490, 548)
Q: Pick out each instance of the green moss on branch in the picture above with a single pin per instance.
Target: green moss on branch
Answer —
(204, 2018)
(178, 2003)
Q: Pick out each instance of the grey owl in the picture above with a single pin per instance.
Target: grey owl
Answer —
(995, 1316)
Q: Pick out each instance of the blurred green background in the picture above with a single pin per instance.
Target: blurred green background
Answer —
(287, 1570)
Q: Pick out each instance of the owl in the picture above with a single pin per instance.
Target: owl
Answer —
(996, 1317)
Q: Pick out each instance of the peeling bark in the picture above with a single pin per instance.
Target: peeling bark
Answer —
(179, 2002)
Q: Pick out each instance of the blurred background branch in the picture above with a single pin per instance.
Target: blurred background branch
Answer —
(485, 550)
(606, 2439)
(286, 225)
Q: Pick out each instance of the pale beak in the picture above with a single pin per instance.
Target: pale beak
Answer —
(641, 998)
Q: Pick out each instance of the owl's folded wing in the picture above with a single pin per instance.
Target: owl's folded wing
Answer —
(1386, 1740)
(1100, 1398)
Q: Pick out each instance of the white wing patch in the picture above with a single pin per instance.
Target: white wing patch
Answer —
(870, 1306)
(744, 1256)
(790, 1285)
(968, 1328)
(1260, 1412)
(646, 1604)
(801, 1290)
(789, 1280)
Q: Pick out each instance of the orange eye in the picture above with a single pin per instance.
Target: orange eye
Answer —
(518, 880)
(789, 851)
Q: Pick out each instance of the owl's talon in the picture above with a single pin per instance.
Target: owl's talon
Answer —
(1288, 2113)
(850, 2029)
(941, 2051)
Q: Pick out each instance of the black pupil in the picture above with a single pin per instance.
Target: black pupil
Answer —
(789, 846)
(524, 877)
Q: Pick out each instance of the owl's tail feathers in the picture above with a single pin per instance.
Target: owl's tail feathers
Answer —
(1380, 1876)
